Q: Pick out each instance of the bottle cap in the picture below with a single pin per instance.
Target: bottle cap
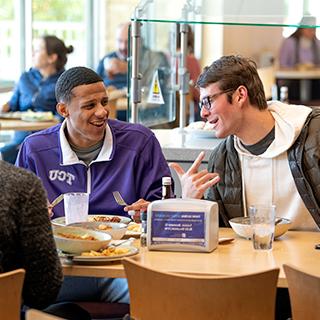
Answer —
(166, 180)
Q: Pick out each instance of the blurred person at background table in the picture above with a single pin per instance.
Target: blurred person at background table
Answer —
(301, 50)
(270, 154)
(89, 153)
(35, 88)
(113, 67)
(26, 241)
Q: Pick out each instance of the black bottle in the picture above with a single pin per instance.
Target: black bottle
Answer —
(166, 188)
(143, 237)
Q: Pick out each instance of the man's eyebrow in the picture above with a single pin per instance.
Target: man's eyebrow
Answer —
(88, 101)
(94, 100)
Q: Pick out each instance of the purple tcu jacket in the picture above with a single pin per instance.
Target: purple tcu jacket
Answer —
(130, 161)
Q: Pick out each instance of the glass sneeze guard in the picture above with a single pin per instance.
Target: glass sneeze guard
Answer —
(157, 70)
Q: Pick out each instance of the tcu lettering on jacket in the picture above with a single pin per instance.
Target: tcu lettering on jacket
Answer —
(61, 176)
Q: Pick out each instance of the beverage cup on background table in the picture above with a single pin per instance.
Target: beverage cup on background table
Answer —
(76, 206)
(108, 64)
(262, 220)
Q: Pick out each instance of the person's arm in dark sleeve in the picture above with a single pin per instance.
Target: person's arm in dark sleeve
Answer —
(43, 269)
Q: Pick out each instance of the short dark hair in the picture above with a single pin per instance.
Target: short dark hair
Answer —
(72, 78)
(232, 72)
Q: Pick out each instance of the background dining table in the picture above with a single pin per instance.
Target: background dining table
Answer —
(305, 77)
(20, 125)
(232, 258)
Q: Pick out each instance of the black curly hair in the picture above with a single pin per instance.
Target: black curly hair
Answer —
(72, 78)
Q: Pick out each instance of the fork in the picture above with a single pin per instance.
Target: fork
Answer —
(117, 196)
(57, 200)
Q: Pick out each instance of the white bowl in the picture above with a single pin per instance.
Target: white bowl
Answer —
(61, 221)
(115, 229)
(241, 226)
(78, 245)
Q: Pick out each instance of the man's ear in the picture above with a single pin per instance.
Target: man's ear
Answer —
(242, 94)
(62, 109)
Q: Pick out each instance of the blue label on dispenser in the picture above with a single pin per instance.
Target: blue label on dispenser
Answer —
(172, 227)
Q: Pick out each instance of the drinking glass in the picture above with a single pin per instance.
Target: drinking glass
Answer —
(262, 220)
(76, 205)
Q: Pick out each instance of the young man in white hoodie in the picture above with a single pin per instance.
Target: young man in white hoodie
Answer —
(271, 153)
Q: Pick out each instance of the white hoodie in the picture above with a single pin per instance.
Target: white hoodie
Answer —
(267, 178)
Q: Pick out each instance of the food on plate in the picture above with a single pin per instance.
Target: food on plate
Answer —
(108, 252)
(104, 227)
(134, 227)
(76, 236)
(201, 125)
(37, 116)
(208, 126)
(198, 125)
(104, 219)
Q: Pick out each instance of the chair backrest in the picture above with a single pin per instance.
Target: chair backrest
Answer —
(159, 295)
(304, 292)
(11, 284)
(33, 314)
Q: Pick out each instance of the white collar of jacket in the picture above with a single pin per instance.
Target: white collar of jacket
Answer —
(289, 121)
(69, 157)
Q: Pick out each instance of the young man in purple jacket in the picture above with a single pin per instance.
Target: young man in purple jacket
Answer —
(89, 153)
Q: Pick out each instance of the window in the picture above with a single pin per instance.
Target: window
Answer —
(8, 35)
(66, 20)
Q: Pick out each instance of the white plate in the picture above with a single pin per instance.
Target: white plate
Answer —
(61, 221)
(38, 116)
(199, 133)
(132, 251)
(16, 115)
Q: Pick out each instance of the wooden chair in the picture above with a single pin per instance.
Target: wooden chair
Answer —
(117, 101)
(33, 314)
(304, 292)
(105, 310)
(159, 295)
(11, 284)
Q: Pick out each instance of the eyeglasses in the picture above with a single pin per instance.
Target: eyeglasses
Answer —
(208, 101)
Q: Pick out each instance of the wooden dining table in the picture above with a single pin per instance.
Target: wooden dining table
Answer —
(20, 125)
(233, 258)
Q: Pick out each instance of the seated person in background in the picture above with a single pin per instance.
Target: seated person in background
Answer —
(35, 88)
(89, 153)
(301, 50)
(113, 67)
(26, 240)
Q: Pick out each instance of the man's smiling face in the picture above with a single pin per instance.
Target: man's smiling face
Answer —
(223, 115)
(87, 114)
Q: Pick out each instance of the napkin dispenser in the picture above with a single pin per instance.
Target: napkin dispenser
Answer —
(182, 225)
